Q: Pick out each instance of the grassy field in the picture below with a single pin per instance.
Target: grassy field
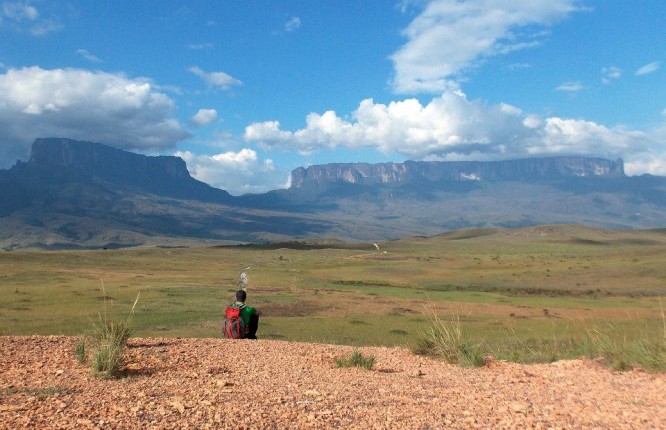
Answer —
(526, 294)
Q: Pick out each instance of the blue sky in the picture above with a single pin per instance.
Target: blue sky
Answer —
(245, 91)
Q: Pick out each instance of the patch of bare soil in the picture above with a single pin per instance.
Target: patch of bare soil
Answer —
(217, 383)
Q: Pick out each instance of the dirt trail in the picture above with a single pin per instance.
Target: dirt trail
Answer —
(215, 383)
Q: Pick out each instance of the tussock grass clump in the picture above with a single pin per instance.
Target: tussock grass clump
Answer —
(644, 349)
(80, 351)
(356, 359)
(626, 353)
(108, 341)
(446, 339)
(105, 345)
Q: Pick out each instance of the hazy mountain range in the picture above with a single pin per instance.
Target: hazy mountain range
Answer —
(83, 194)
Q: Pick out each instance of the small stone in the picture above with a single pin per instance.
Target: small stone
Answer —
(519, 408)
(178, 406)
(223, 383)
(120, 409)
(415, 373)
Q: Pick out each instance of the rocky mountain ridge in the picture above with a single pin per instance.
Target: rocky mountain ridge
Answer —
(528, 169)
(95, 162)
(83, 194)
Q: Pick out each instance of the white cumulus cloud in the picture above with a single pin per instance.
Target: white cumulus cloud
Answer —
(652, 160)
(451, 36)
(238, 173)
(574, 136)
(650, 164)
(448, 125)
(204, 117)
(80, 104)
(451, 127)
(220, 80)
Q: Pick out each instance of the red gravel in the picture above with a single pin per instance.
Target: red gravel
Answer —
(216, 383)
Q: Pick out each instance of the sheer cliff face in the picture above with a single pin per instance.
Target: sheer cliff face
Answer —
(104, 161)
(352, 173)
(432, 171)
(88, 161)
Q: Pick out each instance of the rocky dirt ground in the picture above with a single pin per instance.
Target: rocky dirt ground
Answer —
(216, 383)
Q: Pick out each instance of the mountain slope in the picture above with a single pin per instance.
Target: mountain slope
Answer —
(62, 161)
(424, 198)
(74, 194)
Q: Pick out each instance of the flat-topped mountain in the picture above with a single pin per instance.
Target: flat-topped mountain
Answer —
(435, 171)
(83, 194)
(73, 194)
(66, 160)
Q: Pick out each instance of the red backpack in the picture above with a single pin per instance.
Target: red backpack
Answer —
(233, 326)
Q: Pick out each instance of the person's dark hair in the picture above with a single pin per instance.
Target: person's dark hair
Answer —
(241, 295)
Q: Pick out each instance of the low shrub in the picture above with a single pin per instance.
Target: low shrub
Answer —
(356, 359)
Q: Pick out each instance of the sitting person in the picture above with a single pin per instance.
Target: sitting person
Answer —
(249, 315)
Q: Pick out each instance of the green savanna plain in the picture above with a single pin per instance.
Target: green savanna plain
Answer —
(529, 294)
